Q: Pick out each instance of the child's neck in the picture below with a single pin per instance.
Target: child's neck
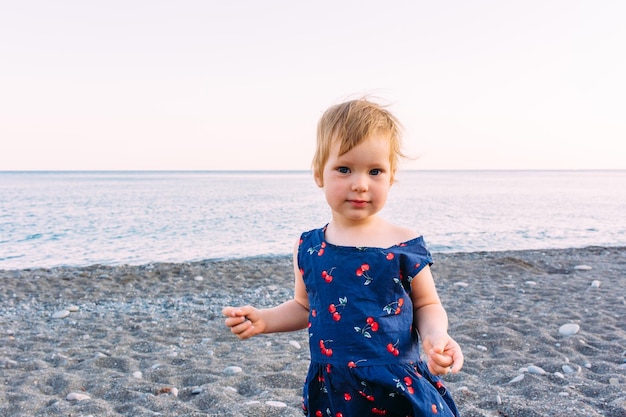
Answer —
(375, 232)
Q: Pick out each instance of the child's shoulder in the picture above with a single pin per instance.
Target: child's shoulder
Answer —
(399, 234)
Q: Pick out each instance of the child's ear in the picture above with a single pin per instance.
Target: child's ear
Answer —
(318, 179)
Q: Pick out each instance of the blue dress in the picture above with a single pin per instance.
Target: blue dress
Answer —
(365, 358)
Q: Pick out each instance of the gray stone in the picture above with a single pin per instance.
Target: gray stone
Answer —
(569, 329)
(61, 314)
(232, 370)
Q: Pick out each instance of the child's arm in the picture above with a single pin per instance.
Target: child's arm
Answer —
(291, 315)
(444, 353)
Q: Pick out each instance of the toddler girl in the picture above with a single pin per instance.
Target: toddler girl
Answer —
(363, 286)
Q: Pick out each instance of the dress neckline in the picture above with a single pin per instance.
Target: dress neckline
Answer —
(322, 236)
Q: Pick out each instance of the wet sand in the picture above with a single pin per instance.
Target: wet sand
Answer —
(150, 341)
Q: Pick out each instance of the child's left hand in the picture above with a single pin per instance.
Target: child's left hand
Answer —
(444, 354)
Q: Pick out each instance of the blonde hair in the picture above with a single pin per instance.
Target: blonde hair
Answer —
(351, 123)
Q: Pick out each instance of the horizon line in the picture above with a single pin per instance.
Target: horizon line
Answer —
(304, 170)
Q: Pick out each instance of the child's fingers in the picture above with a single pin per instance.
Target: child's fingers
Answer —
(235, 321)
(439, 363)
(457, 358)
(233, 311)
(437, 369)
(244, 329)
(235, 317)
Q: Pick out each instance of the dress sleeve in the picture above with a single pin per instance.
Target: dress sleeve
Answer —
(415, 257)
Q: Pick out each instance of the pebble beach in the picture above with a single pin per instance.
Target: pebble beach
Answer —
(543, 333)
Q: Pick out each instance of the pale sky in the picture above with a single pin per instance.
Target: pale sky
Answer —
(212, 85)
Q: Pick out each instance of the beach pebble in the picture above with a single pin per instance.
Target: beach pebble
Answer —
(481, 348)
(232, 370)
(61, 314)
(196, 391)
(77, 396)
(276, 404)
(517, 379)
(569, 329)
(613, 381)
(582, 268)
(530, 283)
(137, 375)
(461, 284)
(536, 370)
(73, 309)
(570, 370)
(595, 283)
(7, 363)
(295, 344)
(198, 278)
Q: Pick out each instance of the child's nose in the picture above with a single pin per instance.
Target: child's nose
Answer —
(360, 183)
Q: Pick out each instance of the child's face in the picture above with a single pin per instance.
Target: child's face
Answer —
(356, 183)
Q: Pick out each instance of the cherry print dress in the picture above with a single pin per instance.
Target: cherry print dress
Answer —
(364, 350)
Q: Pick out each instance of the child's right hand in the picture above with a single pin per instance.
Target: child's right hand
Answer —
(443, 353)
(244, 322)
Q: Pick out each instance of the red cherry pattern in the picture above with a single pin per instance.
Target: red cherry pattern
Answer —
(325, 350)
(319, 413)
(353, 364)
(391, 348)
(405, 385)
(335, 309)
(394, 307)
(370, 324)
(320, 252)
(327, 275)
(367, 396)
(319, 249)
(362, 272)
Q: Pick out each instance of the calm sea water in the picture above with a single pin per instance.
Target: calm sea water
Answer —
(81, 218)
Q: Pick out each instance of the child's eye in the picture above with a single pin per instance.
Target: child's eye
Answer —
(343, 170)
(376, 171)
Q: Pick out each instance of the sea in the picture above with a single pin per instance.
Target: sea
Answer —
(82, 218)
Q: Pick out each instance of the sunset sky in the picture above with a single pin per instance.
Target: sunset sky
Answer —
(213, 85)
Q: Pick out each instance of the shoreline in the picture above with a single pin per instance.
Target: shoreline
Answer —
(144, 340)
(436, 255)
